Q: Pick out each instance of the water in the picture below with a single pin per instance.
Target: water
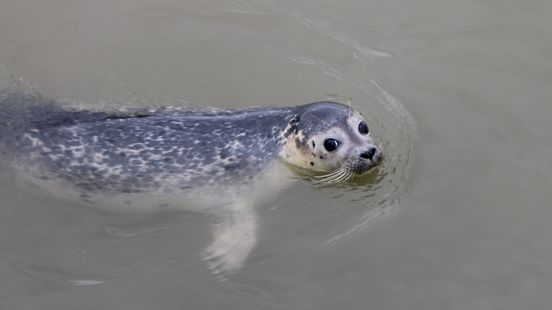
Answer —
(456, 92)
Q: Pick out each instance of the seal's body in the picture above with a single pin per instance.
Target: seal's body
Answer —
(178, 152)
(173, 150)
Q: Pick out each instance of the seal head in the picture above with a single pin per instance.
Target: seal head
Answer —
(330, 138)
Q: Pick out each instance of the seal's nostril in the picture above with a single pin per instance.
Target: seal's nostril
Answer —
(369, 154)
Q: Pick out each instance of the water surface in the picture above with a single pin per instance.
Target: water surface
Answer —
(458, 94)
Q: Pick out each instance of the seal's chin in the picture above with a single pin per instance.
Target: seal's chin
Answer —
(360, 167)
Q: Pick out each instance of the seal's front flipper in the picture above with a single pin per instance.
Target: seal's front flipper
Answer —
(234, 236)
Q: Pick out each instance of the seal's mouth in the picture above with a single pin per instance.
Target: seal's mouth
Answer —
(362, 166)
(349, 171)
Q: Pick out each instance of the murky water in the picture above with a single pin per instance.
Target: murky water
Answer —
(457, 217)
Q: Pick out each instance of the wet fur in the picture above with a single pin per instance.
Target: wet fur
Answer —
(218, 162)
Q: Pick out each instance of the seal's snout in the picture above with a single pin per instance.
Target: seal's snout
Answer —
(366, 160)
(370, 153)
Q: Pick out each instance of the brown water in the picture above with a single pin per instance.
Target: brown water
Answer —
(458, 216)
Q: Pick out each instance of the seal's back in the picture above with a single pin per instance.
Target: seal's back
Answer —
(135, 152)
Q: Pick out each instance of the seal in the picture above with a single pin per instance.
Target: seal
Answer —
(222, 162)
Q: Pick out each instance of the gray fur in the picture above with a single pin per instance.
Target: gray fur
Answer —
(169, 151)
(136, 152)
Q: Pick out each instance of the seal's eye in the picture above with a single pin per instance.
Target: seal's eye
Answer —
(331, 145)
(363, 128)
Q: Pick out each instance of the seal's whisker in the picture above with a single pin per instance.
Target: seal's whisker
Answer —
(329, 176)
(341, 177)
(336, 176)
(323, 176)
(349, 175)
(344, 176)
(335, 179)
(324, 180)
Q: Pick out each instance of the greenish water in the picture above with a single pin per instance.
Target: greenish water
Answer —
(458, 94)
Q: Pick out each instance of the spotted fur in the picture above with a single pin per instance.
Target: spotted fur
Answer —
(224, 161)
(146, 150)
